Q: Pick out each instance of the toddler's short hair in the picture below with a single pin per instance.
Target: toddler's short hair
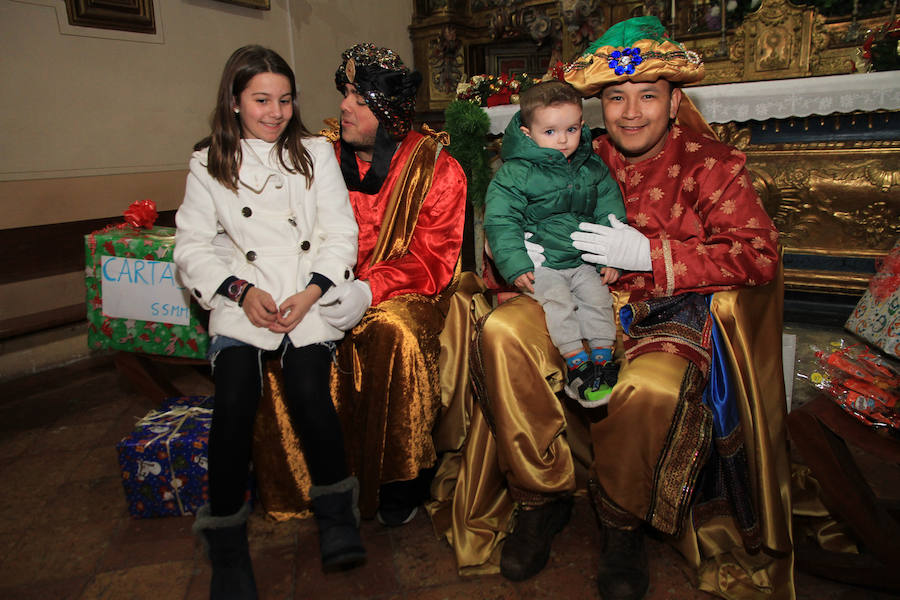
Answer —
(546, 93)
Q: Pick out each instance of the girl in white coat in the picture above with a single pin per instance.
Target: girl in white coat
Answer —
(265, 229)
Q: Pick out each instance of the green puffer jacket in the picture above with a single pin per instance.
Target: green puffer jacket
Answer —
(538, 190)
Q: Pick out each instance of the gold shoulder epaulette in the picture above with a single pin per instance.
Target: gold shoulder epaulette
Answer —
(332, 130)
(441, 137)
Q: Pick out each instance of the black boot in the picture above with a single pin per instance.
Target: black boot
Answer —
(623, 573)
(225, 539)
(399, 501)
(336, 510)
(527, 548)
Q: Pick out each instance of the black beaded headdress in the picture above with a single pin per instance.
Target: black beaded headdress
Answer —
(384, 82)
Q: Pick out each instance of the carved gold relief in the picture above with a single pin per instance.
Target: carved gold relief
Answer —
(840, 203)
(829, 209)
(834, 199)
(583, 20)
(733, 134)
(781, 40)
(445, 61)
(819, 40)
(775, 41)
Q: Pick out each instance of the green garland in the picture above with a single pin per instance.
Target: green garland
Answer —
(468, 126)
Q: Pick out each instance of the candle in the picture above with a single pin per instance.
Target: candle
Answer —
(673, 17)
(722, 16)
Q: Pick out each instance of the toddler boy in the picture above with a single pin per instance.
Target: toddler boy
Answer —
(551, 180)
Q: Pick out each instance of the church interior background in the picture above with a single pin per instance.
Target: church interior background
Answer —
(824, 158)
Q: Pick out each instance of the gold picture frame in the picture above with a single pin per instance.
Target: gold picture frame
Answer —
(130, 15)
(258, 4)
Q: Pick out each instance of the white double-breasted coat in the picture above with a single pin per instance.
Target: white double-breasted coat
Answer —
(274, 233)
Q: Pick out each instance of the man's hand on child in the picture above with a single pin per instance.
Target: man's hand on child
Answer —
(535, 251)
(619, 245)
(260, 308)
(525, 282)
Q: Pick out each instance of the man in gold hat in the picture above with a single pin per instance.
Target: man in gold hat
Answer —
(693, 442)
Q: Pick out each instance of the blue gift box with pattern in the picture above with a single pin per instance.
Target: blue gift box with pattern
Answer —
(163, 460)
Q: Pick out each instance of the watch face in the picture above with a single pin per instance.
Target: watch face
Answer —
(234, 288)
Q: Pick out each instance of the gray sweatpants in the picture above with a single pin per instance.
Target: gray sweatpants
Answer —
(577, 305)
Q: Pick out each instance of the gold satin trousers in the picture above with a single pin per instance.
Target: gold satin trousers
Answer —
(527, 443)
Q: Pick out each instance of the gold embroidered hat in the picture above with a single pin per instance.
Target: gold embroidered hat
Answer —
(636, 50)
(384, 82)
(640, 50)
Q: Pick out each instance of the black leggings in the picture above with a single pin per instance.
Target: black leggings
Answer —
(236, 374)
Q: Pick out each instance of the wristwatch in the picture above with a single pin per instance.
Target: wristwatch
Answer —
(237, 289)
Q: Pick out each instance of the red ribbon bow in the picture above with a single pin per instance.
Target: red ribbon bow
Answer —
(141, 214)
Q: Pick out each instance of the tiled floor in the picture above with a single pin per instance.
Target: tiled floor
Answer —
(65, 532)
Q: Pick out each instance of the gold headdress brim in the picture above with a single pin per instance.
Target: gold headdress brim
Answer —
(590, 73)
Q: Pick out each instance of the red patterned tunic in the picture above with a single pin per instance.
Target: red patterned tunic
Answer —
(708, 228)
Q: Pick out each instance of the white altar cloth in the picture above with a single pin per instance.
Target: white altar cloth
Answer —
(761, 100)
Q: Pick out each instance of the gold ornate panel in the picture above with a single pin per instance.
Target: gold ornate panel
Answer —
(836, 203)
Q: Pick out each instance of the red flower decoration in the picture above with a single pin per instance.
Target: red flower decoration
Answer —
(141, 214)
(558, 71)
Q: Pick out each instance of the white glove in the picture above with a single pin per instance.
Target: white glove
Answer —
(620, 246)
(535, 251)
(345, 304)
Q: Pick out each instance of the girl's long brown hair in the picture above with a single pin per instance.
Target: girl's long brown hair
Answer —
(224, 141)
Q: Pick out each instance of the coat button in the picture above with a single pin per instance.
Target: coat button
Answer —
(197, 293)
(292, 221)
(347, 274)
(251, 255)
(305, 245)
(246, 211)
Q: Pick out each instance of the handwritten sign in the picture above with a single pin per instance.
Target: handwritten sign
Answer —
(147, 290)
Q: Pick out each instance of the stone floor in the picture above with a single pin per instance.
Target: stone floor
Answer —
(65, 532)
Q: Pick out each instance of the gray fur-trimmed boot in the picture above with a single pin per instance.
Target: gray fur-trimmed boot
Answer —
(225, 540)
(336, 510)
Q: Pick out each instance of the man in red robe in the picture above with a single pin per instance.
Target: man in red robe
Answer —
(408, 195)
(660, 458)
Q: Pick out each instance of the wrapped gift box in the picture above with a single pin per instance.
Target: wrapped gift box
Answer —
(876, 317)
(134, 299)
(163, 460)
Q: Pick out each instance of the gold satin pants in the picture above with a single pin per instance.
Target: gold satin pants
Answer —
(537, 441)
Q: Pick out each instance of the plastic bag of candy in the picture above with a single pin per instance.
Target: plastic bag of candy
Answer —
(863, 382)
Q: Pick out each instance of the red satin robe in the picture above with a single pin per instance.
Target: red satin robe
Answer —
(428, 266)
